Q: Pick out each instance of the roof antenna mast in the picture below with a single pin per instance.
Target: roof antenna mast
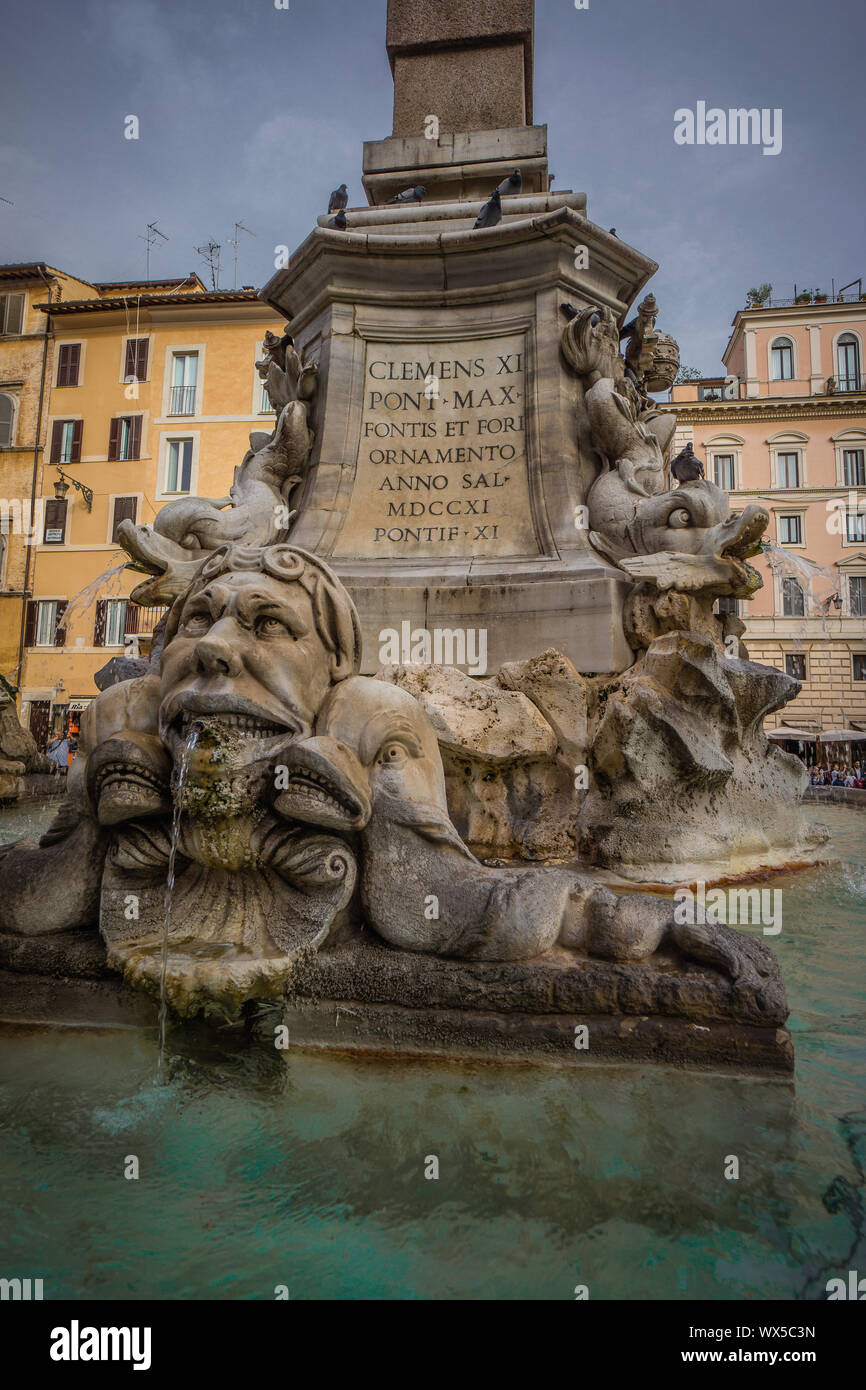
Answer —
(235, 242)
(210, 254)
(151, 239)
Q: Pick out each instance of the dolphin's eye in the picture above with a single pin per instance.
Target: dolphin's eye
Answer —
(680, 518)
(392, 754)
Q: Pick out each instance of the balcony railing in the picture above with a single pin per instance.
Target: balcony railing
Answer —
(182, 400)
(851, 297)
(140, 622)
(851, 383)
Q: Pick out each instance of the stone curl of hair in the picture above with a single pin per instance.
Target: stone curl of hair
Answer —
(334, 613)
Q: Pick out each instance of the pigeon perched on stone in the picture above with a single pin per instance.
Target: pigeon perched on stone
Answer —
(340, 222)
(491, 213)
(687, 467)
(512, 185)
(410, 195)
(339, 199)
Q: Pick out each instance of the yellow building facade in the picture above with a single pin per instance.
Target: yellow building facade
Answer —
(153, 395)
(26, 364)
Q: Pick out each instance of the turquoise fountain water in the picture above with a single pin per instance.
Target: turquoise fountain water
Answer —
(261, 1168)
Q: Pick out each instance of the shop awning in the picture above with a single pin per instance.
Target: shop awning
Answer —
(841, 736)
(797, 735)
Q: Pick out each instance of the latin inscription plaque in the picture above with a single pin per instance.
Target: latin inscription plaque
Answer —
(442, 455)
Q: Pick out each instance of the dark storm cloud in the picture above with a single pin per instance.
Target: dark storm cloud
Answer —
(254, 114)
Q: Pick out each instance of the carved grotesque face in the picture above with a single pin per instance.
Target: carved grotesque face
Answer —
(247, 657)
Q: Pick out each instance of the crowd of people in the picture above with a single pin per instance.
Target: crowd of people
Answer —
(839, 775)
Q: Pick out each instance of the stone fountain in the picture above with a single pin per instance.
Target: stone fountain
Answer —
(394, 853)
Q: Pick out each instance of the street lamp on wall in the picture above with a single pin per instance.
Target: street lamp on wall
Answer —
(61, 488)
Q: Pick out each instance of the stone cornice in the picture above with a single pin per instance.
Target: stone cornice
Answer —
(798, 408)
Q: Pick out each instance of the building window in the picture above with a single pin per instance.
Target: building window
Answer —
(68, 363)
(124, 437)
(115, 621)
(723, 471)
(109, 626)
(858, 660)
(857, 595)
(728, 605)
(710, 393)
(789, 470)
(791, 530)
(42, 627)
(66, 441)
(848, 363)
(55, 522)
(782, 360)
(7, 416)
(11, 313)
(178, 472)
(795, 666)
(793, 599)
(184, 379)
(854, 466)
(125, 509)
(135, 363)
(855, 526)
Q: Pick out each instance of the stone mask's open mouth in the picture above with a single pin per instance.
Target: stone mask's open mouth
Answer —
(229, 717)
(249, 726)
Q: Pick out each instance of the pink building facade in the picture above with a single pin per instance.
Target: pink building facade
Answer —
(786, 428)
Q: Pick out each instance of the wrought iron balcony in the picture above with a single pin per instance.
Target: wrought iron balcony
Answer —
(182, 400)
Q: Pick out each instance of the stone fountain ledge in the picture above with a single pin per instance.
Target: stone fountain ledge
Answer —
(358, 994)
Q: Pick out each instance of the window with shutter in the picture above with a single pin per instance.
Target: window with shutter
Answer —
(46, 623)
(55, 522)
(30, 623)
(60, 631)
(124, 438)
(99, 623)
(125, 509)
(68, 362)
(56, 440)
(135, 436)
(131, 620)
(135, 366)
(11, 313)
(66, 441)
(7, 415)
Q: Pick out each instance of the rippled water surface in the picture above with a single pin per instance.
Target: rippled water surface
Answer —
(260, 1169)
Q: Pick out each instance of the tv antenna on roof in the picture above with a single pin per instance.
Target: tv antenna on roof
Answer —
(235, 242)
(151, 239)
(10, 202)
(211, 255)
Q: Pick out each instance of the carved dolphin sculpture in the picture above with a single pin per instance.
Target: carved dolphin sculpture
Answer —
(686, 538)
(373, 766)
(255, 512)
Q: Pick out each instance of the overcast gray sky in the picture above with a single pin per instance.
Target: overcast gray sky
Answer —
(251, 113)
